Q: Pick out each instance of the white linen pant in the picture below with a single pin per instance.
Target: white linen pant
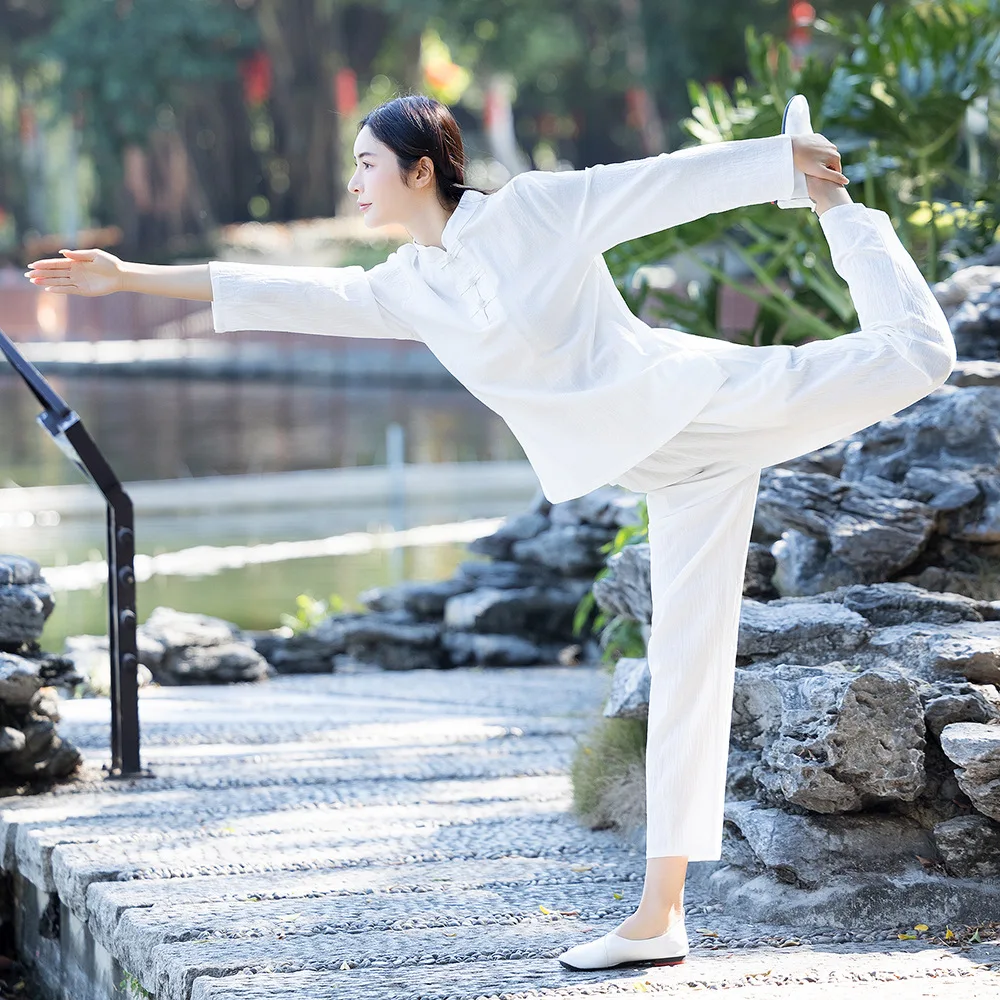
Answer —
(779, 402)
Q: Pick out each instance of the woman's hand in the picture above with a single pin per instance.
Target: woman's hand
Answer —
(81, 272)
(816, 156)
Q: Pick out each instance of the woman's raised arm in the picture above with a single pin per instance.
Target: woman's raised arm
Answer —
(601, 206)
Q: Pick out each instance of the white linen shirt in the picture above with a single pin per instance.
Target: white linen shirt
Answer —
(521, 308)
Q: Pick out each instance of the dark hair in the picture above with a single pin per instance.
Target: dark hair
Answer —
(414, 126)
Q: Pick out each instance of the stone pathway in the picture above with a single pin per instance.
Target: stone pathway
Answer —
(394, 835)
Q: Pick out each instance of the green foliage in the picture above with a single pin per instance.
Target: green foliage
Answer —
(607, 774)
(894, 101)
(123, 63)
(619, 635)
(309, 611)
(131, 985)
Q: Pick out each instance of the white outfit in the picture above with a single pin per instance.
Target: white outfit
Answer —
(779, 402)
(520, 306)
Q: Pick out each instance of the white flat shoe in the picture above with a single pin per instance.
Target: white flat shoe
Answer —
(795, 121)
(608, 951)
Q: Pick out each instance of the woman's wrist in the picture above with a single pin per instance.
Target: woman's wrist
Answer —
(836, 195)
(178, 281)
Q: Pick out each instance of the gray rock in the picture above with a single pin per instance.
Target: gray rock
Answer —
(807, 851)
(20, 678)
(176, 629)
(872, 535)
(932, 651)
(11, 739)
(760, 569)
(506, 575)
(831, 740)
(23, 611)
(422, 598)
(948, 708)
(199, 649)
(975, 373)
(465, 648)
(607, 507)
(941, 490)
(392, 644)
(626, 589)
(807, 631)
(950, 429)
(969, 846)
(19, 571)
(975, 748)
(498, 545)
(533, 612)
(629, 695)
(885, 604)
(804, 566)
(224, 663)
(304, 652)
(573, 550)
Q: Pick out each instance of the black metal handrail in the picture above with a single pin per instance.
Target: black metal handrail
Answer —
(68, 432)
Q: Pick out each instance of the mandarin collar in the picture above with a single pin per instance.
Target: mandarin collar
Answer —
(467, 204)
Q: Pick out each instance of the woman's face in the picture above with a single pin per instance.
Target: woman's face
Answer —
(376, 182)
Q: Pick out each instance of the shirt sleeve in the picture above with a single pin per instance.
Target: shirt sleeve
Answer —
(328, 301)
(607, 204)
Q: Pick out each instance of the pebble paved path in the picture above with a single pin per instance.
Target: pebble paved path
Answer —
(399, 835)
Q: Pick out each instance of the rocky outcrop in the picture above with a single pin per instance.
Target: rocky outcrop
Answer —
(515, 608)
(32, 754)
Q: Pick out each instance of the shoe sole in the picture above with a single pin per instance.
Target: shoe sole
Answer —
(643, 962)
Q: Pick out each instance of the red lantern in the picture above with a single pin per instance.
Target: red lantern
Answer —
(345, 90)
(256, 73)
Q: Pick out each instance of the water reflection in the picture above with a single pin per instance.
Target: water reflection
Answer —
(171, 428)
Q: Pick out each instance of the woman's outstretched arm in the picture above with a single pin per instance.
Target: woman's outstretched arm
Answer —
(601, 206)
(328, 301)
(97, 272)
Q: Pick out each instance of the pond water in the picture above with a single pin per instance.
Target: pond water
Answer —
(169, 428)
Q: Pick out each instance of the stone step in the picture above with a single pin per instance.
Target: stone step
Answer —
(319, 768)
(34, 842)
(339, 922)
(862, 972)
(541, 830)
(107, 902)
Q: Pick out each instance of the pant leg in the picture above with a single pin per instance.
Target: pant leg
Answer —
(698, 541)
(781, 401)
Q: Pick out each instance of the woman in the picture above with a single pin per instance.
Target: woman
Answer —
(511, 292)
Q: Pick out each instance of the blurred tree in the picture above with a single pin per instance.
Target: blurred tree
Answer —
(127, 67)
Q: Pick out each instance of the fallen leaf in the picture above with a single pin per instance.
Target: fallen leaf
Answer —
(582, 868)
(705, 930)
(907, 937)
(617, 895)
(920, 927)
(948, 933)
(545, 910)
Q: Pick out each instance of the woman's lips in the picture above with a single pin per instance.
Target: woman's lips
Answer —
(365, 207)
